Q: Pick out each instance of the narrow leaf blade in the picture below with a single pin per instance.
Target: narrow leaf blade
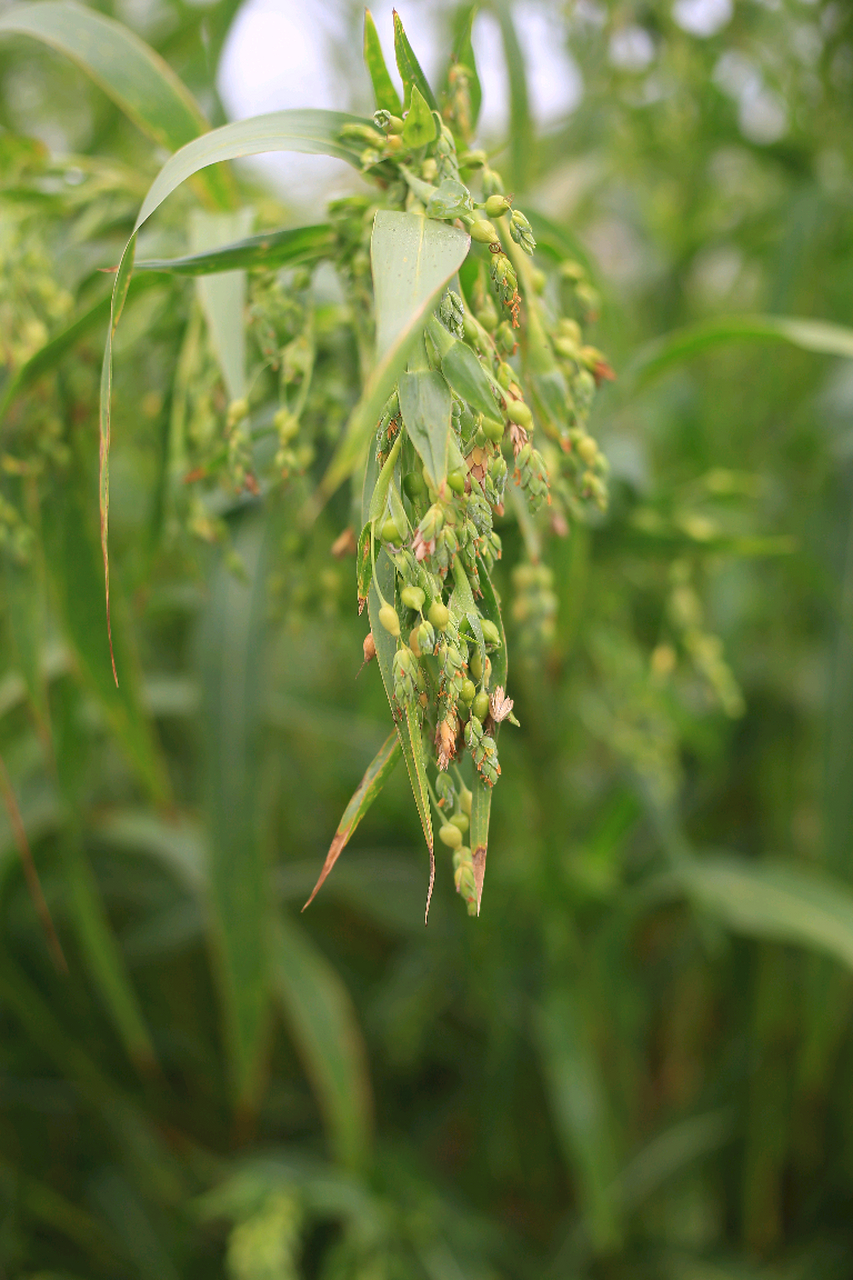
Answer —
(290, 247)
(223, 296)
(322, 1020)
(409, 67)
(387, 97)
(366, 792)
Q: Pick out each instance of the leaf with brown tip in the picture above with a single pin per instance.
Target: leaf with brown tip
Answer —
(365, 793)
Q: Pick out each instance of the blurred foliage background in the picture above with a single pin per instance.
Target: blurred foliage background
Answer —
(637, 1062)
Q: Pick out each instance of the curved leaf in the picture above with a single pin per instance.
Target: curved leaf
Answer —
(306, 132)
(125, 67)
(463, 54)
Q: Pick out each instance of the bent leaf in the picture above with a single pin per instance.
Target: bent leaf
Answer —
(128, 70)
(368, 789)
(306, 132)
(387, 97)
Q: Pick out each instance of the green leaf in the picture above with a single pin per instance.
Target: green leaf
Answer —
(411, 739)
(306, 132)
(409, 67)
(364, 563)
(102, 955)
(425, 404)
(272, 249)
(413, 259)
(128, 70)
(71, 559)
(321, 1018)
(581, 1110)
(232, 652)
(223, 296)
(464, 371)
(419, 129)
(383, 481)
(366, 792)
(387, 97)
(450, 199)
(674, 348)
(464, 54)
(772, 900)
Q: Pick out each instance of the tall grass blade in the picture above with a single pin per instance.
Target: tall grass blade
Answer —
(223, 295)
(320, 1016)
(232, 643)
(386, 96)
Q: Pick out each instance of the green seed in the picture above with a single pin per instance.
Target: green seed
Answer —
(483, 232)
(390, 532)
(476, 665)
(450, 835)
(456, 480)
(465, 798)
(460, 820)
(439, 615)
(493, 430)
(518, 411)
(414, 484)
(412, 597)
(496, 205)
(468, 692)
(491, 635)
(389, 619)
(480, 706)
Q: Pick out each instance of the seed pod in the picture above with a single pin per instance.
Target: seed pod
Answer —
(412, 598)
(468, 692)
(465, 799)
(368, 648)
(389, 619)
(404, 671)
(414, 485)
(492, 430)
(456, 481)
(461, 821)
